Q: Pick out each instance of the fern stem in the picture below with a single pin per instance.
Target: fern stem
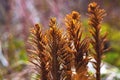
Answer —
(96, 16)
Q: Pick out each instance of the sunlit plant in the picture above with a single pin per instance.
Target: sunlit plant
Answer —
(59, 55)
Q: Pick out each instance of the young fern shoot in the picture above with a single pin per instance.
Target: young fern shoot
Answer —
(96, 17)
(59, 51)
(80, 47)
(39, 56)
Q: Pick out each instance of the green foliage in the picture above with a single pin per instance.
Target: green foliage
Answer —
(112, 56)
(16, 50)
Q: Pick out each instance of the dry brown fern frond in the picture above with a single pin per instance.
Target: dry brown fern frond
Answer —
(39, 56)
(59, 51)
(59, 56)
(79, 46)
(96, 17)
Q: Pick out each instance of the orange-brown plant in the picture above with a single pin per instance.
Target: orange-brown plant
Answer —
(98, 41)
(64, 56)
(59, 51)
(79, 46)
(39, 57)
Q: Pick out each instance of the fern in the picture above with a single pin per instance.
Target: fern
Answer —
(39, 56)
(64, 56)
(96, 17)
(80, 47)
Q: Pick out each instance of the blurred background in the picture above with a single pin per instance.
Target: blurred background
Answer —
(18, 16)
